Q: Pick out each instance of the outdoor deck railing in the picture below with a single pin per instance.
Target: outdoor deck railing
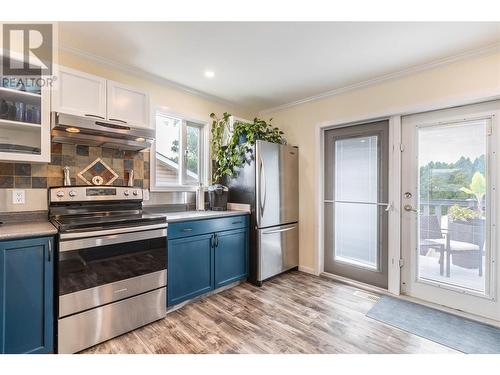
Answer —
(439, 207)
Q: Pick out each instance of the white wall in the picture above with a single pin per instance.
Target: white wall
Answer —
(457, 83)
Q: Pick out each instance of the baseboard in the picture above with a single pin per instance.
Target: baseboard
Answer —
(307, 270)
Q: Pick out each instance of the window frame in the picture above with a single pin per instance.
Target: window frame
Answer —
(203, 151)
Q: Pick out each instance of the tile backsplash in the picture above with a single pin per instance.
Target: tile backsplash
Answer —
(77, 158)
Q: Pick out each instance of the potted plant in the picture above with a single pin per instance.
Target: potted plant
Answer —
(221, 164)
(229, 152)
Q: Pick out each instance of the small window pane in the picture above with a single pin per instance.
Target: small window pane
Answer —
(167, 150)
(193, 155)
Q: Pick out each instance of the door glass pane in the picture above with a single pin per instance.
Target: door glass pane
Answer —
(453, 204)
(167, 150)
(193, 154)
(356, 238)
(356, 192)
(356, 169)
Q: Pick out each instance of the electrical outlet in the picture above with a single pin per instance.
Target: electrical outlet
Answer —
(18, 196)
(145, 194)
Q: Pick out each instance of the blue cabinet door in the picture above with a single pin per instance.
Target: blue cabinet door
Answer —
(230, 256)
(26, 296)
(190, 268)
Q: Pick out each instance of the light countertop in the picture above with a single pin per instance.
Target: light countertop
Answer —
(25, 229)
(173, 217)
(16, 230)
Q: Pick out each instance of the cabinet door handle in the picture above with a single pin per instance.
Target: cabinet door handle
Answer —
(216, 240)
(186, 230)
(50, 251)
(212, 241)
(236, 222)
(89, 115)
(118, 120)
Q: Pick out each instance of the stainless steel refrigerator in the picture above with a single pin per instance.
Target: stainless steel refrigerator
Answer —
(269, 184)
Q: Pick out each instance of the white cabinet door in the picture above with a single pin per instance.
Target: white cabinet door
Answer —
(127, 105)
(79, 94)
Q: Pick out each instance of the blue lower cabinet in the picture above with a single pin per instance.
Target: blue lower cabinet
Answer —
(190, 268)
(231, 256)
(200, 263)
(26, 296)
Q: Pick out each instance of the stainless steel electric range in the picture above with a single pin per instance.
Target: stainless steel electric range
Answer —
(112, 264)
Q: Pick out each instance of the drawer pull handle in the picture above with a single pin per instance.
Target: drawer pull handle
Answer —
(120, 290)
(186, 230)
(236, 222)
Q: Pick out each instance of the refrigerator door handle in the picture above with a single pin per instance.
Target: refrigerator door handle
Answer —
(262, 190)
(280, 230)
(263, 171)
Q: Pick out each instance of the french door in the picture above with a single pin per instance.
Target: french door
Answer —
(449, 179)
(356, 202)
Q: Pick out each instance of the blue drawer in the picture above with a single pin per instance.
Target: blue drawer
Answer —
(196, 227)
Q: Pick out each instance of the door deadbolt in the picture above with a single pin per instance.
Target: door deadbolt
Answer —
(408, 195)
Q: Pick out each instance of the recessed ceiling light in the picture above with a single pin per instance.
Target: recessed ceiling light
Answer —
(73, 130)
(209, 74)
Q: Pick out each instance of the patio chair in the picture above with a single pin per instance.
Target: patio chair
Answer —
(465, 245)
(432, 237)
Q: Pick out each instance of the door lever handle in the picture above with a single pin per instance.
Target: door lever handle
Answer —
(409, 208)
(389, 207)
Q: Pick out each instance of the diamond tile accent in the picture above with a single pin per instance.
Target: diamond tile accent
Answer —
(96, 172)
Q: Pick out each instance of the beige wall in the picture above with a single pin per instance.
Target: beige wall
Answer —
(456, 83)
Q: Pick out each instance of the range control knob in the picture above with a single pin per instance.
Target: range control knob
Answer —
(72, 193)
(135, 192)
(60, 194)
(126, 193)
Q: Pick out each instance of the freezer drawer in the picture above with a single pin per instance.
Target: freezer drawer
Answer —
(277, 250)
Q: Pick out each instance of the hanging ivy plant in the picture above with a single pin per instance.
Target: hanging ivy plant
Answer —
(227, 159)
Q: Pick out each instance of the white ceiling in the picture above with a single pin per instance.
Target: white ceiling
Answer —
(261, 65)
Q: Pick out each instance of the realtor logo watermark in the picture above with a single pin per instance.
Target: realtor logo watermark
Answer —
(28, 54)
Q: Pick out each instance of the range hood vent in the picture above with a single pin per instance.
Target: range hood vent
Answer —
(91, 132)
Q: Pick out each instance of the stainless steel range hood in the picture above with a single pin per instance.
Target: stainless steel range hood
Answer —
(86, 131)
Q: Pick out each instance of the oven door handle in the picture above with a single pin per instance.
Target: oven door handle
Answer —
(96, 233)
(85, 243)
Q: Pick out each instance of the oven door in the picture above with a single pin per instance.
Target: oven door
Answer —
(96, 270)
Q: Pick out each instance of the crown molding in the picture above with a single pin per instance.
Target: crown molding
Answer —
(387, 77)
(150, 76)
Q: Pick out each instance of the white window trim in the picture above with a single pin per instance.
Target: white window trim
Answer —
(204, 153)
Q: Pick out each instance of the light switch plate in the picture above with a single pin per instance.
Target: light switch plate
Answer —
(18, 196)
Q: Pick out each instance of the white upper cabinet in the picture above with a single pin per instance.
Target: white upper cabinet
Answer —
(83, 94)
(127, 105)
(79, 94)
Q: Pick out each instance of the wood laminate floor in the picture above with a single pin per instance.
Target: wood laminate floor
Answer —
(292, 313)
